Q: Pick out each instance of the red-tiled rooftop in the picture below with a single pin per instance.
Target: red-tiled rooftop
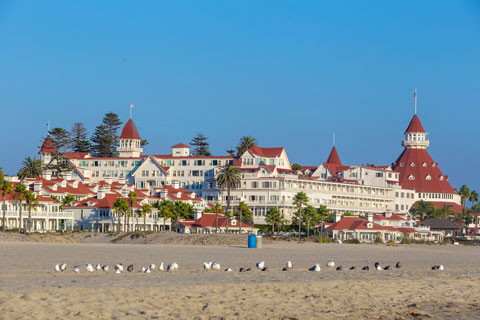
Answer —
(266, 152)
(415, 125)
(130, 131)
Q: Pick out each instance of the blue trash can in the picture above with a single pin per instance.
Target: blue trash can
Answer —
(252, 241)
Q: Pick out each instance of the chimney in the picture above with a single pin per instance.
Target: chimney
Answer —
(337, 217)
(101, 193)
(47, 175)
(163, 193)
(122, 180)
(37, 186)
(108, 180)
(388, 214)
(175, 184)
(369, 216)
(197, 214)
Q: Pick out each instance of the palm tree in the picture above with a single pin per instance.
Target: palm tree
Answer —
(311, 216)
(272, 217)
(31, 168)
(165, 208)
(242, 209)
(229, 177)
(120, 206)
(20, 193)
(146, 209)
(473, 197)
(464, 194)
(5, 188)
(323, 214)
(281, 221)
(217, 210)
(132, 199)
(476, 210)
(299, 200)
(421, 210)
(32, 203)
(67, 201)
(246, 142)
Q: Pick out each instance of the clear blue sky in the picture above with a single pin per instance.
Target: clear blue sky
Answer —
(287, 72)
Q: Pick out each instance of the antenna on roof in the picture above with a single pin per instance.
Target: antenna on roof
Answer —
(415, 98)
(131, 108)
(334, 139)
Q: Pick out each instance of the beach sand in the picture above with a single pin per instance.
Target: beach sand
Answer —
(30, 289)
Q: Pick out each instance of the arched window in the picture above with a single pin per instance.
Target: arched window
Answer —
(411, 177)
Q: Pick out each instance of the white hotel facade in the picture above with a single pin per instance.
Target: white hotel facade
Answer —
(267, 177)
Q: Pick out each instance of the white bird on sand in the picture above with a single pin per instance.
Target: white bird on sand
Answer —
(440, 267)
(147, 270)
(144, 269)
(260, 265)
(118, 271)
(289, 265)
(172, 267)
(151, 266)
(105, 268)
(215, 266)
(377, 266)
(315, 268)
(57, 267)
(161, 267)
(207, 266)
(330, 264)
(98, 267)
(119, 267)
(89, 267)
(228, 270)
(63, 267)
(76, 269)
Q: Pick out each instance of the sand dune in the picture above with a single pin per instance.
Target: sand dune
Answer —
(29, 288)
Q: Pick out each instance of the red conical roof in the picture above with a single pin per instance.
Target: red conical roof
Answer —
(47, 146)
(333, 158)
(415, 125)
(130, 131)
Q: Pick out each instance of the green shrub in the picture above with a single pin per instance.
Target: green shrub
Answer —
(406, 240)
(379, 239)
(323, 240)
(352, 241)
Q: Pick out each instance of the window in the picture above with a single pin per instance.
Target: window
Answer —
(411, 177)
(428, 177)
(379, 174)
(254, 184)
(214, 162)
(183, 162)
(169, 163)
(401, 164)
(424, 164)
(412, 164)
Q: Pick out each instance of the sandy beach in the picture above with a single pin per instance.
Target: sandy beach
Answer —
(30, 289)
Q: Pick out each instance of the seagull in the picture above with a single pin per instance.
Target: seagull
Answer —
(152, 266)
(144, 269)
(377, 266)
(315, 268)
(119, 268)
(386, 268)
(57, 268)
(105, 268)
(98, 267)
(284, 269)
(89, 267)
(264, 269)
(161, 267)
(398, 265)
(248, 269)
(440, 267)
(63, 267)
(289, 265)
(172, 267)
(207, 266)
(353, 268)
(147, 270)
(241, 270)
(366, 268)
(339, 268)
(118, 271)
(216, 266)
(228, 270)
(330, 264)
(76, 269)
(260, 265)
(130, 268)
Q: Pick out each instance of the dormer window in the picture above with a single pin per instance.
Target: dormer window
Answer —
(412, 164)
(441, 178)
(428, 177)
(424, 164)
(401, 164)
(369, 225)
(411, 177)
(434, 164)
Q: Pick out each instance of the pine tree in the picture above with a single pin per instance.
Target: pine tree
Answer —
(60, 138)
(78, 136)
(201, 146)
(105, 138)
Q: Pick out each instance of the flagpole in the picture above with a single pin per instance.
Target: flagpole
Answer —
(131, 107)
(415, 98)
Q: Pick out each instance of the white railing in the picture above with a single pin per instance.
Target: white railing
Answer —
(39, 214)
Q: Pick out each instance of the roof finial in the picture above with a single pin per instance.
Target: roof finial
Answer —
(131, 108)
(415, 98)
(48, 127)
(334, 139)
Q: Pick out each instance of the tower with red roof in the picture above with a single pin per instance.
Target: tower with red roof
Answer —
(46, 150)
(419, 172)
(130, 145)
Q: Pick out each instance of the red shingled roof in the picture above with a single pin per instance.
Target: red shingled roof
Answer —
(130, 131)
(266, 152)
(415, 125)
(356, 223)
(47, 146)
(180, 145)
(333, 158)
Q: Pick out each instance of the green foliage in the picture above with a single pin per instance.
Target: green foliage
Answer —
(246, 142)
(351, 241)
(422, 210)
(296, 167)
(464, 193)
(201, 145)
(31, 168)
(67, 201)
(105, 138)
(379, 239)
(244, 214)
(60, 138)
(406, 240)
(324, 240)
(78, 138)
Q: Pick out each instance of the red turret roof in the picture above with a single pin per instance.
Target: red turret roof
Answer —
(333, 158)
(415, 125)
(47, 146)
(130, 131)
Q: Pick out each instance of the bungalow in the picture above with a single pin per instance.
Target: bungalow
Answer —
(207, 224)
(447, 227)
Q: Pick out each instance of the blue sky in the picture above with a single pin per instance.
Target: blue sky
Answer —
(287, 72)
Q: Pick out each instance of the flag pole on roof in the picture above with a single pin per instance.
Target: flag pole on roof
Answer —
(415, 98)
(131, 108)
(334, 139)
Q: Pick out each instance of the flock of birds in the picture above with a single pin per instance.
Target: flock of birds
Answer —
(215, 266)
